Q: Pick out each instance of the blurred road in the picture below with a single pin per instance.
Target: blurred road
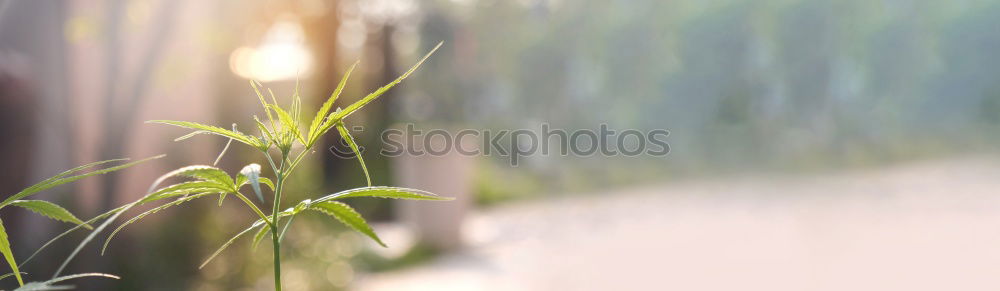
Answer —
(919, 226)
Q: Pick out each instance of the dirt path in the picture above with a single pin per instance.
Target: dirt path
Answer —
(923, 226)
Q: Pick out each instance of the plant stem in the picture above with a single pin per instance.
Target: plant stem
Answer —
(277, 258)
(275, 242)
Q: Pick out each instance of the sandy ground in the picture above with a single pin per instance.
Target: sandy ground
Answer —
(919, 226)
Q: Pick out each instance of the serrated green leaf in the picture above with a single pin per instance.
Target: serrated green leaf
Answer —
(370, 97)
(113, 215)
(68, 172)
(205, 173)
(321, 115)
(347, 216)
(62, 179)
(9, 255)
(235, 135)
(49, 210)
(184, 188)
(346, 135)
(384, 192)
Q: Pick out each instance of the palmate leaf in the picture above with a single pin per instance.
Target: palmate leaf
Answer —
(346, 135)
(351, 218)
(321, 115)
(49, 210)
(370, 97)
(346, 215)
(9, 255)
(385, 192)
(208, 129)
(64, 178)
(204, 173)
(183, 188)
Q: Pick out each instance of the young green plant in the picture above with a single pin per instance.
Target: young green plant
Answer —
(284, 142)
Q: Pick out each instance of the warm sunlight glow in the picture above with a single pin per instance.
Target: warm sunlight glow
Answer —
(282, 55)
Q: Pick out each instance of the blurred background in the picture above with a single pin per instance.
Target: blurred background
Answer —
(815, 144)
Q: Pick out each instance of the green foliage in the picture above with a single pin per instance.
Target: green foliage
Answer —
(201, 128)
(320, 120)
(65, 177)
(281, 132)
(385, 192)
(371, 97)
(346, 135)
(50, 210)
(8, 254)
(348, 216)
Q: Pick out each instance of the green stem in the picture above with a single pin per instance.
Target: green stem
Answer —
(276, 243)
(277, 258)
